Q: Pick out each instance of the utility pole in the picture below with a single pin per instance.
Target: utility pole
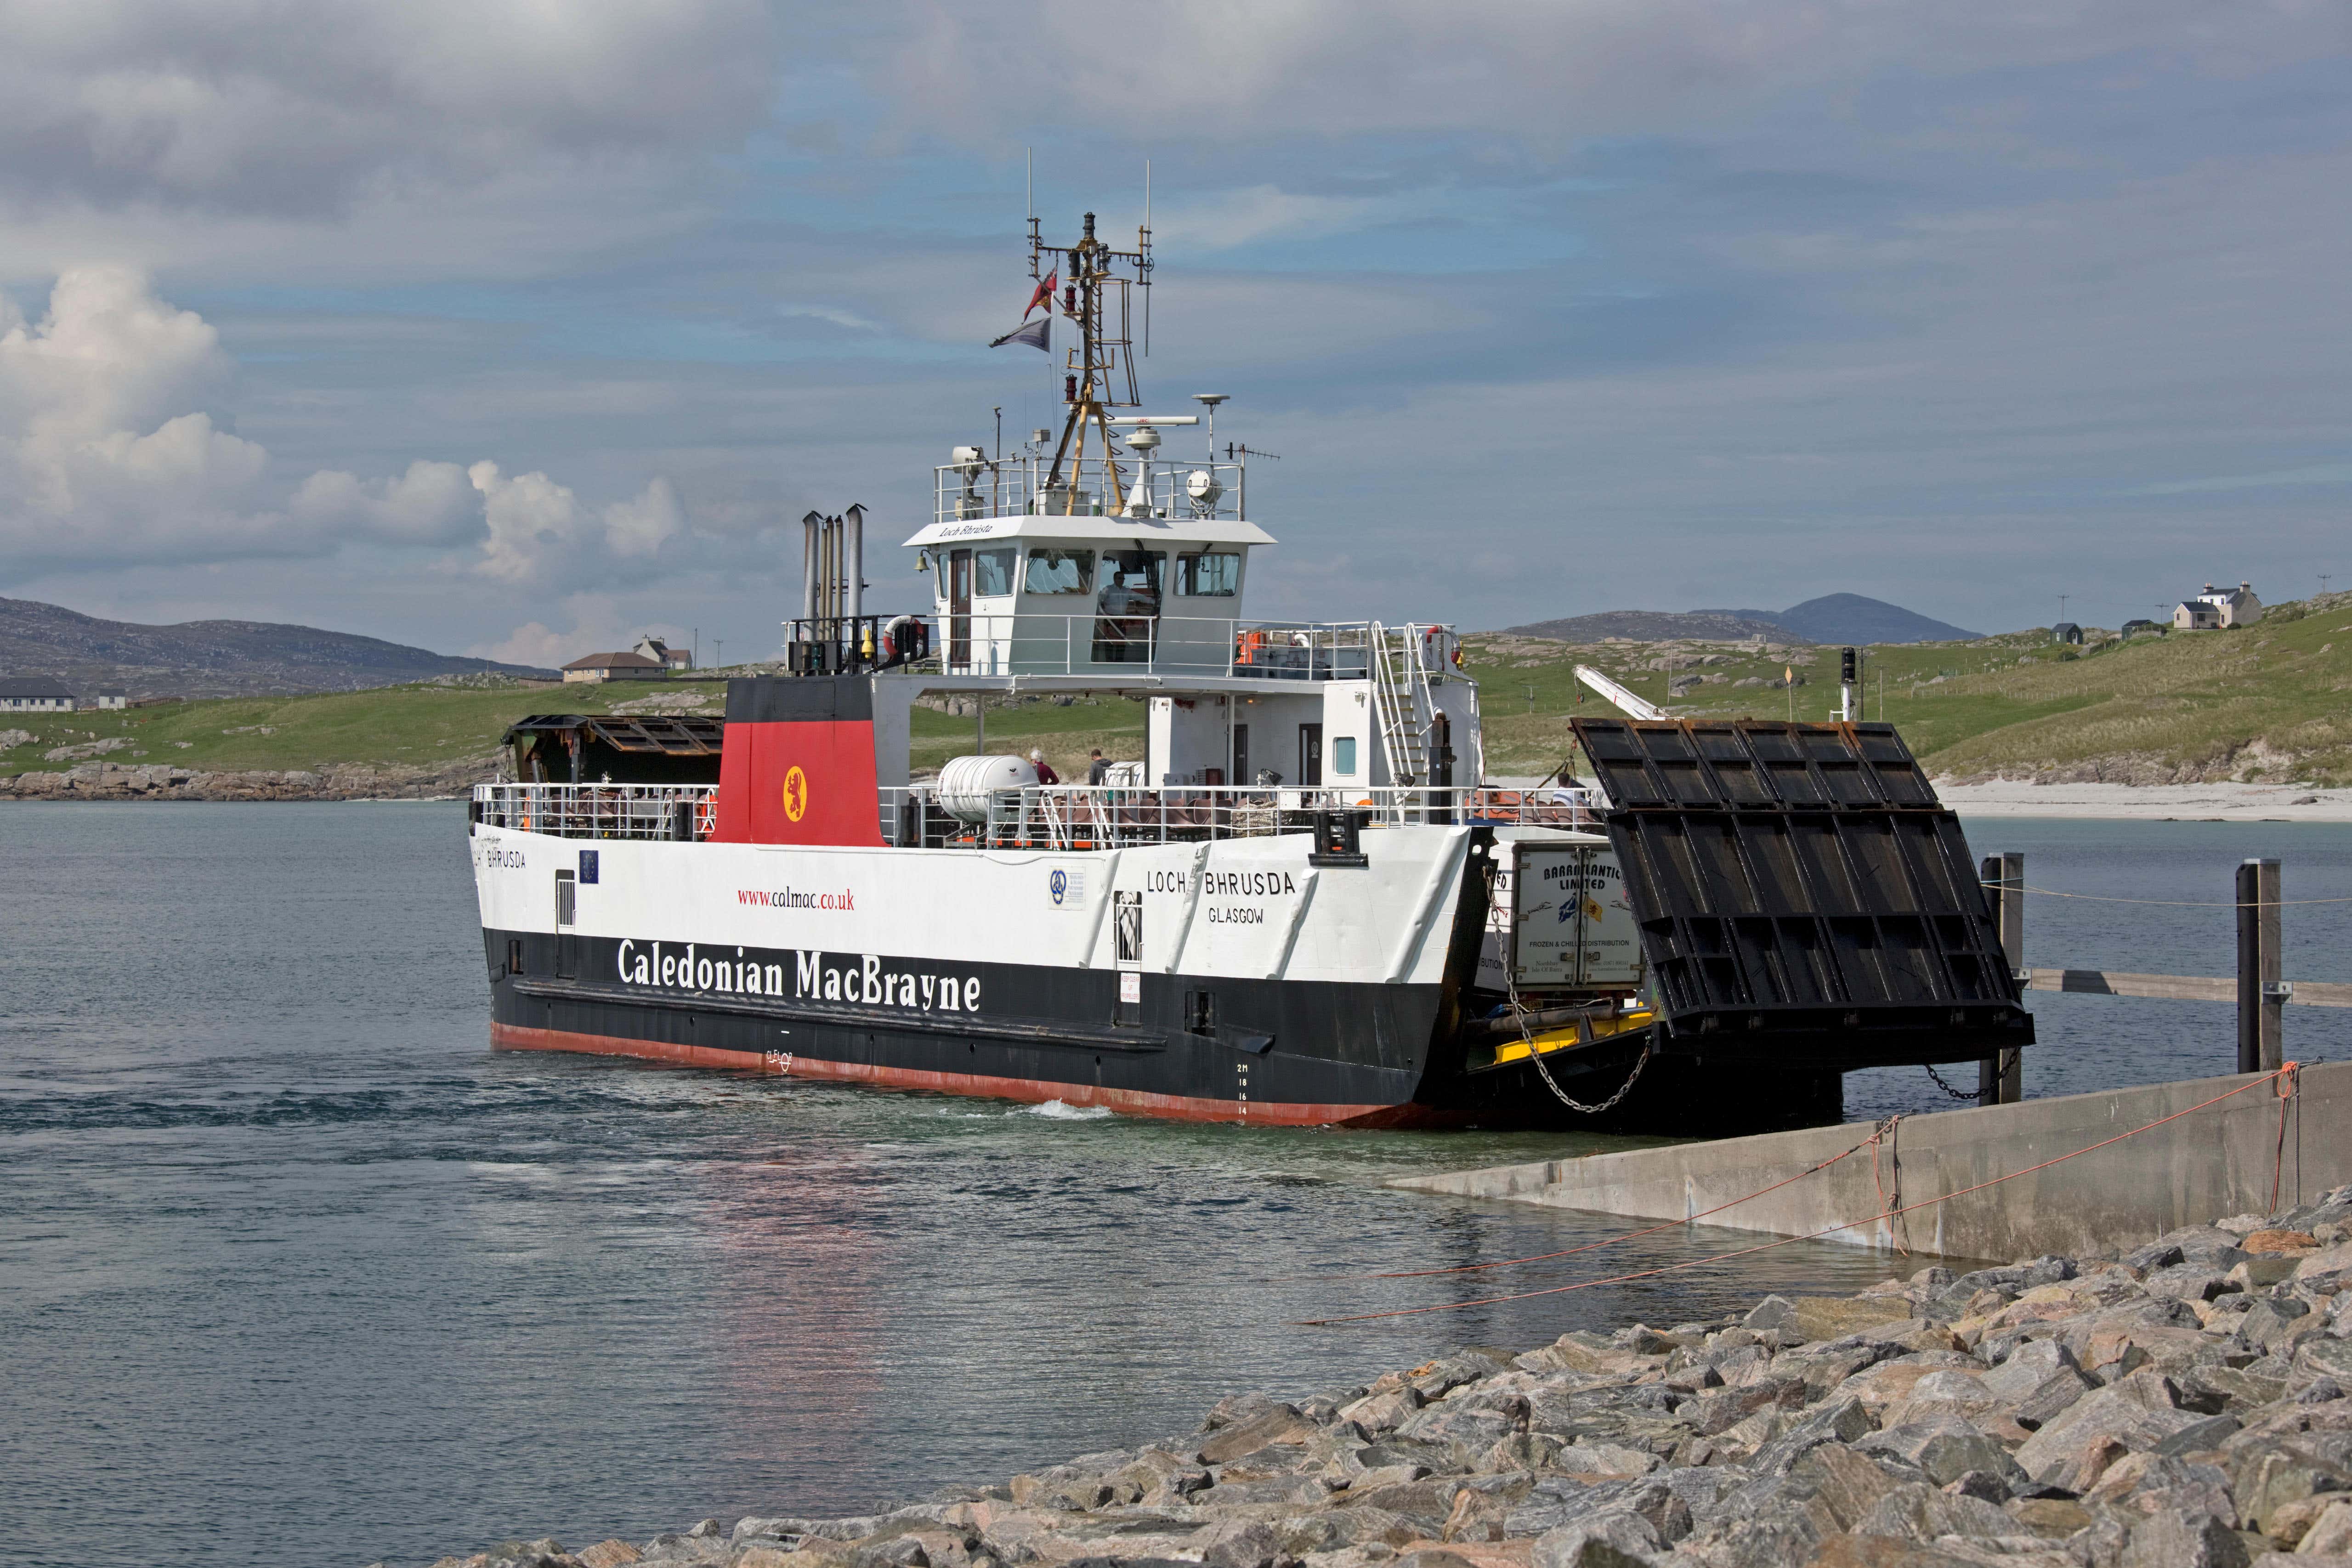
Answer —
(2062, 606)
(2324, 578)
(720, 644)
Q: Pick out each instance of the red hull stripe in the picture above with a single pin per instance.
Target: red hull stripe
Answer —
(1133, 1102)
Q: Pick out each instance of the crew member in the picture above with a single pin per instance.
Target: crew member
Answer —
(1046, 774)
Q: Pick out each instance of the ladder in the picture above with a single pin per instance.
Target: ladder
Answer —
(1405, 706)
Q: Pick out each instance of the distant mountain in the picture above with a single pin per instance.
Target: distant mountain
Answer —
(1849, 618)
(211, 658)
(1834, 618)
(1662, 626)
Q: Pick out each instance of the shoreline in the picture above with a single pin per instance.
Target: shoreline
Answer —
(2183, 1402)
(2218, 802)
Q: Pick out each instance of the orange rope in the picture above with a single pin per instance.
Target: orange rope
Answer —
(2278, 1159)
(1813, 1235)
(1631, 1234)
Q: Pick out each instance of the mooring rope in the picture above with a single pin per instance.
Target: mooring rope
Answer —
(2284, 1071)
(2168, 902)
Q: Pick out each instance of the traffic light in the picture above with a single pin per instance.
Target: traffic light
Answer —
(1846, 657)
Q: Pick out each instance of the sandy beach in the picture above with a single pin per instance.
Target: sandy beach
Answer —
(2153, 802)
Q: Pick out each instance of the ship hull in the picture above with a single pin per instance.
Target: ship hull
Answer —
(1233, 981)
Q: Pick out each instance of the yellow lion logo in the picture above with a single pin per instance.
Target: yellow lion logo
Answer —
(795, 794)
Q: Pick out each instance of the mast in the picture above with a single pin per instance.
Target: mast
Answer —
(1091, 386)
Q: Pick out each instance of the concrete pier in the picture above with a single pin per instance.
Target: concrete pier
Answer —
(2211, 1164)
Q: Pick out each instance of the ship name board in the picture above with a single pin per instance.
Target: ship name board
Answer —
(870, 979)
(1224, 884)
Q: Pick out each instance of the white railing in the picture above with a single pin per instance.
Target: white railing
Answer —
(680, 811)
(1021, 486)
(995, 643)
(1082, 817)
(1052, 815)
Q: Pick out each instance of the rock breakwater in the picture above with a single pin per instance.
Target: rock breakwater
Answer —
(163, 781)
(2185, 1405)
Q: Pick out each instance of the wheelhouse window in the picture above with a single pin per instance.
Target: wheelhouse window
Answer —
(1213, 574)
(1060, 572)
(992, 574)
(1129, 609)
(1343, 756)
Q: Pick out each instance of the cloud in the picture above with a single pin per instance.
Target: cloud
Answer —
(598, 626)
(275, 107)
(1328, 68)
(104, 462)
(539, 531)
(92, 457)
(432, 504)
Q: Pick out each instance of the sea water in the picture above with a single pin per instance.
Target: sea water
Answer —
(293, 1269)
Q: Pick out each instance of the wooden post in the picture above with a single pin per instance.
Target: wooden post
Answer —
(2273, 1040)
(2262, 1006)
(2001, 1080)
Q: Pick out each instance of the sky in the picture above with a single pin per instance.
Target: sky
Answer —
(519, 329)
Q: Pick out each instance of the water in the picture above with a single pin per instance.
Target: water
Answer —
(292, 1270)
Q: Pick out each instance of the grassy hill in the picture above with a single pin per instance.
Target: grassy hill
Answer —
(2268, 702)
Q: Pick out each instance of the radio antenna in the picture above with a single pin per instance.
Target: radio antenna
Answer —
(1143, 246)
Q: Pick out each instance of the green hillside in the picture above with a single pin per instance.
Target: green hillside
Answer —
(2267, 702)
(2263, 702)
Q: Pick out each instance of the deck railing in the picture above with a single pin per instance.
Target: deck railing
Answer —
(1082, 817)
(676, 811)
(1053, 816)
(1090, 488)
(1093, 643)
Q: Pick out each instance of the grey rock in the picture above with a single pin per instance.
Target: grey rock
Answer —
(1946, 1449)
(1921, 1514)
(2027, 1366)
(2175, 1538)
(1614, 1541)
(1841, 1422)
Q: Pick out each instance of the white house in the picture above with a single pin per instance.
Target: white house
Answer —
(113, 698)
(662, 653)
(35, 696)
(2216, 608)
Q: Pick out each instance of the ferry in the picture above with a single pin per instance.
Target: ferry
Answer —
(1303, 904)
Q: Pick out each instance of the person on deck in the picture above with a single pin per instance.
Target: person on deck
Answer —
(1097, 769)
(1046, 774)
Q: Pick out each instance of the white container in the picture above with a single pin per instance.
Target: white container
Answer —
(966, 783)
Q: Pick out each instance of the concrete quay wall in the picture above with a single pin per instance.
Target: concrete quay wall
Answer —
(2210, 1164)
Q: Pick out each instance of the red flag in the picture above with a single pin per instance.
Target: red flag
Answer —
(1044, 295)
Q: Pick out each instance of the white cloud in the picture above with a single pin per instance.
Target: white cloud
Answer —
(539, 531)
(597, 626)
(104, 462)
(92, 458)
(640, 526)
(274, 107)
(432, 504)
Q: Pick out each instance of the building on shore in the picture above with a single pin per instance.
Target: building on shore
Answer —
(113, 698)
(2066, 632)
(615, 666)
(661, 652)
(36, 695)
(2217, 609)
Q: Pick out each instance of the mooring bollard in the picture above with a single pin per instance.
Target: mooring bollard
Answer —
(2261, 996)
(2001, 1080)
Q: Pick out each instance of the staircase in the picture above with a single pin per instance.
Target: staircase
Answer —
(1401, 699)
